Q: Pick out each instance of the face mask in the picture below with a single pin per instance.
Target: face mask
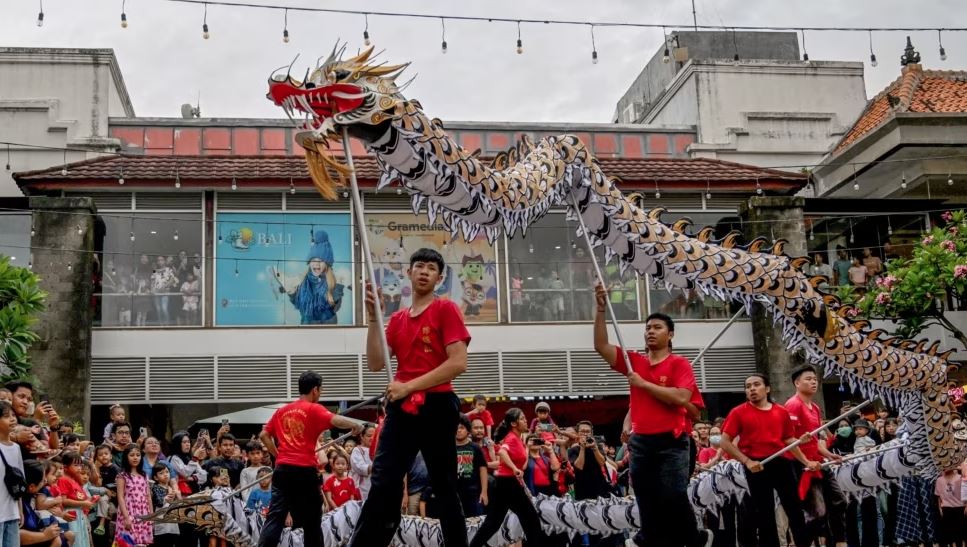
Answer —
(715, 439)
(844, 431)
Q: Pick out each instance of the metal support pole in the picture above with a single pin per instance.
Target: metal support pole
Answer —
(597, 271)
(717, 336)
(367, 257)
(816, 431)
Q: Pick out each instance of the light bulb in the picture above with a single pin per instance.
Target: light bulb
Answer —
(657, 194)
(805, 57)
(873, 62)
(204, 31)
(758, 190)
(33, 232)
(666, 56)
(121, 181)
(903, 182)
(285, 36)
(234, 184)
(124, 20)
(520, 46)
(132, 236)
(70, 266)
(175, 237)
(943, 53)
(63, 172)
(177, 183)
(708, 195)
(291, 188)
(812, 236)
(399, 191)
(8, 166)
(889, 230)
(594, 57)
(856, 186)
(40, 19)
(366, 39)
(530, 248)
(79, 230)
(735, 57)
(950, 180)
(345, 194)
(443, 47)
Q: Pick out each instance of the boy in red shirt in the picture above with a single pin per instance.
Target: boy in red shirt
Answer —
(764, 428)
(479, 410)
(663, 389)
(430, 342)
(290, 436)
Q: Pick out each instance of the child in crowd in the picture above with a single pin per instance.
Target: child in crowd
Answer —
(118, 416)
(37, 529)
(222, 483)
(863, 440)
(340, 487)
(479, 410)
(91, 483)
(134, 500)
(259, 498)
(162, 494)
(48, 502)
(76, 501)
(543, 424)
(5, 395)
(249, 475)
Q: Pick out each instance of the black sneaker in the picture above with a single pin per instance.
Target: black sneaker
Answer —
(705, 538)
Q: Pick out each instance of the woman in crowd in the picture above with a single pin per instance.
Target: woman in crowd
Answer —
(134, 500)
(190, 476)
(361, 464)
(509, 493)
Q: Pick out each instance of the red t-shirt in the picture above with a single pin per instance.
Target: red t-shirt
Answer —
(761, 433)
(517, 452)
(705, 455)
(650, 416)
(484, 416)
(70, 489)
(296, 428)
(341, 490)
(420, 343)
(805, 419)
(542, 472)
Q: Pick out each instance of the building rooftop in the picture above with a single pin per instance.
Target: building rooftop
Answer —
(202, 171)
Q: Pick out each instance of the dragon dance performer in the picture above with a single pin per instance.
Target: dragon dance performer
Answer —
(430, 342)
(662, 389)
(295, 486)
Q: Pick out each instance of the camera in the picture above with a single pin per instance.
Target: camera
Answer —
(537, 441)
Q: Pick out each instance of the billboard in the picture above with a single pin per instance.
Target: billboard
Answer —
(470, 276)
(283, 269)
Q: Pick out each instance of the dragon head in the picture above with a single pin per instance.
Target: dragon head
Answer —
(339, 92)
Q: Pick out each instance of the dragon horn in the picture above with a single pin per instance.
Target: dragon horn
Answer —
(362, 57)
(272, 76)
(289, 72)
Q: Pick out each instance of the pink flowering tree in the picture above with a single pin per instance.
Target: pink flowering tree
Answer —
(915, 292)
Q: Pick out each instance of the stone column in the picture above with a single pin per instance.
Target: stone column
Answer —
(63, 257)
(776, 217)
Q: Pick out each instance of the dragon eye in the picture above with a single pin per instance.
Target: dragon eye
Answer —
(342, 74)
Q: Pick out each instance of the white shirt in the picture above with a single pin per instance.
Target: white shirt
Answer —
(361, 467)
(9, 510)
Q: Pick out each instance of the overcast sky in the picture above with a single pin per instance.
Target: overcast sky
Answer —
(166, 62)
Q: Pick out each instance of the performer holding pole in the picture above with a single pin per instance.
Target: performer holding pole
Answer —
(430, 342)
(295, 487)
(763, 429)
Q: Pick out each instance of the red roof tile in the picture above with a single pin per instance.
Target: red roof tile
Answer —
(916, 90)
(145, 170)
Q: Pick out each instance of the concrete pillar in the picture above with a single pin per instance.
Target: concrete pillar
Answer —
(63, 257)
(776, 217)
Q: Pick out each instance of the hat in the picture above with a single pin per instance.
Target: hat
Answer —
(862, 423)
(542, 406)
(321, 248)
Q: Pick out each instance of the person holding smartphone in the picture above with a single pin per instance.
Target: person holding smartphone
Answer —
(542, 467)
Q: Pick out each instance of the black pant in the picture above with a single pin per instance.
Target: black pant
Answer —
(835, 508)
(780, 476)
(659, 476)
(951, 526)
(403, 435)
(510, 495)
(295, 491)
(187, 535)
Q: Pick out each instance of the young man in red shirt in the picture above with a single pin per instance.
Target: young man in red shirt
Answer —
(430, 342)
(290, 436)
(806, 417)
(764, 428)
(663, 389)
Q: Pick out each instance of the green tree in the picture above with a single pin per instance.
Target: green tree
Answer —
(20, 301)
(915, 291)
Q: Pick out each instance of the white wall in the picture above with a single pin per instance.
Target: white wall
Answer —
(58, 98)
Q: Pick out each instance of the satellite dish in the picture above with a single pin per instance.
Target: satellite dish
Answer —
(188, 112)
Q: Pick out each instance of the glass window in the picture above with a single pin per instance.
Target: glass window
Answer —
(470, 276)
(552, 277)
(150, 271)
(853, 249)
(284, 269)
(680, 303)
(15, 238)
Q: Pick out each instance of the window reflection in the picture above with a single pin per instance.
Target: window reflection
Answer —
(150, 272)
(552, 277)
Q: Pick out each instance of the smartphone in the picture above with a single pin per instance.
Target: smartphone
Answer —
(44, 398)
(223, 473)
(224, 422)
(144, 432)
(203, 433)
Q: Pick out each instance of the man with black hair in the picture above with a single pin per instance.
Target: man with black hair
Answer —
(22, 393)
(763, 428)
(664, 400)
(227, 460)
(807, 417)
(430, 342)
(290, 436)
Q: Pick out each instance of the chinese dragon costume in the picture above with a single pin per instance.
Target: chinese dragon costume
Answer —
(515, 189)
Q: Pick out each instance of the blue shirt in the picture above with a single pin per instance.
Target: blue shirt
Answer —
(258, 500)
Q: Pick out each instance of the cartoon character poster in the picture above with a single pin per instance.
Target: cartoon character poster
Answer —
(470, 276)
(283, 269)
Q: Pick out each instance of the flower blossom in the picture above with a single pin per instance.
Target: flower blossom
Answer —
(927, 240)
(883, 298)
(960, 271)
(852, 312)
(947, 216)
(949, 245)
